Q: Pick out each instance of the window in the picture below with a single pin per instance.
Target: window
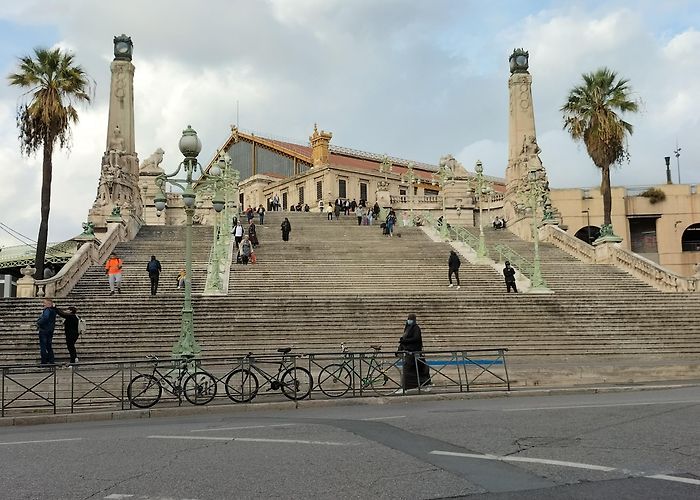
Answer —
(319, 190)
(342, 188)
(690, 240)
(363, 191)
(402, 192)
(415, 190)
(284, 201)
(431, 192)
(301, 194)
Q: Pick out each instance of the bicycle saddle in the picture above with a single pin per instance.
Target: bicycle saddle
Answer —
(376, 347)
(284, 350)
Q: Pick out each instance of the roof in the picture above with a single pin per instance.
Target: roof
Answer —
(23, 255)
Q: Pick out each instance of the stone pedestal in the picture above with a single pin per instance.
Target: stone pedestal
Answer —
(25, 285)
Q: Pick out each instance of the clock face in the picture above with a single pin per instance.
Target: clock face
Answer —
(521, 60)
(122, 47)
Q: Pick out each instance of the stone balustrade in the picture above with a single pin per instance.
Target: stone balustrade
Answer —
(611, 253)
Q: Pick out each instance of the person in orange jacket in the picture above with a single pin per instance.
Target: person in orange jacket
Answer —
(113, 270)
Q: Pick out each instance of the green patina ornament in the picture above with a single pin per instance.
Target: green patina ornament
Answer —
(88, 229)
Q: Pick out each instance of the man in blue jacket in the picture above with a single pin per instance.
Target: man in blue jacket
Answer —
(46, 324)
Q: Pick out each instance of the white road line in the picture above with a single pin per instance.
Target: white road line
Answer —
(612, 405)
(42, 441)
(242, 427)
(382, 418)
(666, 477)
(255, 440)
(524, 459)
(118, 496)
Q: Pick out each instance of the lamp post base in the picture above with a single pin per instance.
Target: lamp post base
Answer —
(187, 345)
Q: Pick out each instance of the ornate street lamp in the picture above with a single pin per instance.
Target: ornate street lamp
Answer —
(537, 197)
(482, 188)
(410, 178)
(190, 147)
(447, 166)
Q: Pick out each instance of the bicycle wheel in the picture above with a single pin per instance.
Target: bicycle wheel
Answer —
(334, 380)
(297, 383)
(242, 385)
(199, 388)
(144, 391)
(384, 378)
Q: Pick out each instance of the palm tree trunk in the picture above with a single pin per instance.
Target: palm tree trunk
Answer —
(42, 239)
(607, 196)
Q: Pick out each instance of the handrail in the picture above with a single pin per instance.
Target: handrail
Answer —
(640, 267)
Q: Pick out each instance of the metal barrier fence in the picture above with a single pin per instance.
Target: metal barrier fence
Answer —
(31, 389)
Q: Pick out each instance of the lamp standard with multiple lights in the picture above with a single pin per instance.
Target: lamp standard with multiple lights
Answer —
(411, 178)
(536, 198)
(482, 187)
(190, 146)
(446, 174)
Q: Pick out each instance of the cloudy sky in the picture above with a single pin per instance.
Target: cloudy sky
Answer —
(413, 79)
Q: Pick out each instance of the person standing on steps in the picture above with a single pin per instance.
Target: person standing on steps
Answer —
(453, 264)
(181, 277)
(286, 229)
(70, 325)
(238, 233)
(330, 211)
(246, 249)
(509, 274)
(46, 323)
(154, 269)
(261, 214)
(253, 234)
(113, 270)
(415, 368)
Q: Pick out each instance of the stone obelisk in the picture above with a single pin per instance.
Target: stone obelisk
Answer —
(118, 192)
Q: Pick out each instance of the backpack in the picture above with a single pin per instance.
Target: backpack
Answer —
(152, 266)
(82, 326)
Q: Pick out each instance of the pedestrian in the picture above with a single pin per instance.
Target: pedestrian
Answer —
(154, 269)
(261, 214)
(330, 211)
(453, 263)
(370, 216)
(359, 213)
(276, 202)
(249, 213)
(346, 207)
(238, 233)
(71, 324)
(46, 323)
(253, 234)
(390, 222)
(49, 272)
(416, 372)
(113, 270)
(509, 274)
(181, 278)
(376, 210)
(286, 229)
(246, 249)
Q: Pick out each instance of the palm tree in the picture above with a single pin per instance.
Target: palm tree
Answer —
(53, 83)
(590, 115)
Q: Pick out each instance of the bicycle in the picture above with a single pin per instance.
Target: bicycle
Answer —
(198, 386)
(242, 384)
(383, 376)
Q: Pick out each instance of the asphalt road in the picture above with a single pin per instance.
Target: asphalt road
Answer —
(643, 444)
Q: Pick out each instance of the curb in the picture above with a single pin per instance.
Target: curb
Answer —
(67, 418)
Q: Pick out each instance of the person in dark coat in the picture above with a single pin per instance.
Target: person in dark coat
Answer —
(286, 229)
(415, 369)
(509, 274)
(253, 235)
(154, 269)
(453, 263)
(70, 325)
(46, 323)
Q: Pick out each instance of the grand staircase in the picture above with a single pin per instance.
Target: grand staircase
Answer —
(335, 281)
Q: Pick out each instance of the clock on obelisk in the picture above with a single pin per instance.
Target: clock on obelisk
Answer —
(118, 193)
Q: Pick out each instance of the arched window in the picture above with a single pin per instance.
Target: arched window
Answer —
(690, 241)
(588, 234)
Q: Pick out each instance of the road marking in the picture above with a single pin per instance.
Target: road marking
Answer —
(524, 459)
(42, 441)
(118, 496)
(382, 418)
(242, 427)
(666, 477)
(612, 405)
(255, 440)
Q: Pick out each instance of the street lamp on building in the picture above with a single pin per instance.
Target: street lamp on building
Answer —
(677, 153)
(588, 224)
(190, 146)
(482, 188)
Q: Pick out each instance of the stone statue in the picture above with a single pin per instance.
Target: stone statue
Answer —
(88, 229)
(115, 147)
(151, 165)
